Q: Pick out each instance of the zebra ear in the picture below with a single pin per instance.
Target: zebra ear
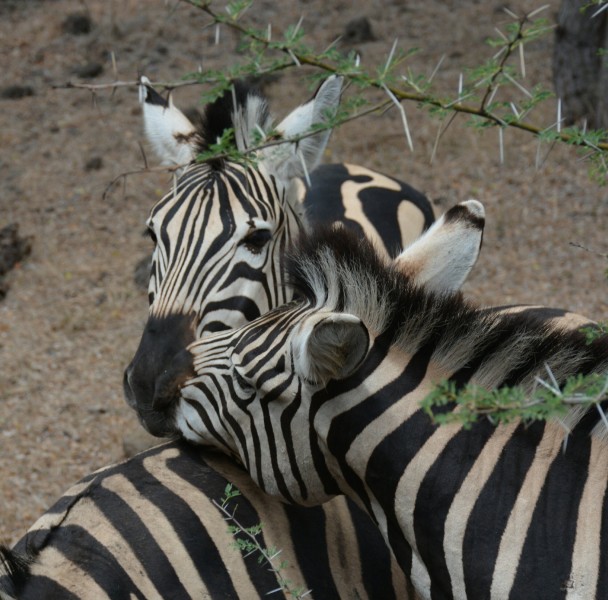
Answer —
(442, 258)
(329, 346)
(287, 161)
(168, 130)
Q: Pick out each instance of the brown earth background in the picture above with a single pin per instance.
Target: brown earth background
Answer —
(73, 315)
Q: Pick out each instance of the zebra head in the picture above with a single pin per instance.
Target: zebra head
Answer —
(254, 379)
(221, 232)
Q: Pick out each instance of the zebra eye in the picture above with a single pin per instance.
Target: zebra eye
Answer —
(256, 240)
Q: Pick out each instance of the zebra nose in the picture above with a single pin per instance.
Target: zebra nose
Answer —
(128, 388)
(169, 383)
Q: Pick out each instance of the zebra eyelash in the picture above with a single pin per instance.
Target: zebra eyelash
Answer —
(256, 240)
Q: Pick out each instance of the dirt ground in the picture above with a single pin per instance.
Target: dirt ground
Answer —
(73, 315)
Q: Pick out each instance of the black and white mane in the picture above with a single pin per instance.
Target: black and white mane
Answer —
(342, 272)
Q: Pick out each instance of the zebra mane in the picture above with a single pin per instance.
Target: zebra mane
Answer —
(242, 108)
(337, 270)
(14, 571)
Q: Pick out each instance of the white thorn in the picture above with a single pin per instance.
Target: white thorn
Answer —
(599, 10)
(217, 34)
(436, 68)
(501, 144)
(403, 116)
(537, 10)
(522, 62)
(559, 115)
(391, 53)
(519, 85)
(303, 162)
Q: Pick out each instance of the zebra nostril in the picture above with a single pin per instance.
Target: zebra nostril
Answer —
(128, 387)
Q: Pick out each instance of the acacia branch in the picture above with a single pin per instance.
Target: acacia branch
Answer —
(402, 94)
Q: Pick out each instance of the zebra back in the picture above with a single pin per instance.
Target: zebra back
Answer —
(152, 527)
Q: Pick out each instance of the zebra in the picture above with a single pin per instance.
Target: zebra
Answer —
(321, 397)
(219, 235)
(126, 529)
(149, 528)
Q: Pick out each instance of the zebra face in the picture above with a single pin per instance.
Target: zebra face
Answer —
(252, 396)
(219, 241)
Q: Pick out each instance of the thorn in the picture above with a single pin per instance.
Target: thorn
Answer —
(114, 67)
(391, 54)
(559, 115)
(403, 116)
(519, 85)
(501, 34)
(298, 25)
(460, 84)
(269, 33)
(303, 162)
(294, 58)
(538, 10)
(501, 145)
(599, 10)
(602, 415)
(510, 13)
(522, 62)
(436, 68)
(515, 112)
(217, 34)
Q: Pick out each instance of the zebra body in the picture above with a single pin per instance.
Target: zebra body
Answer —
(149, 528)
(321, 397)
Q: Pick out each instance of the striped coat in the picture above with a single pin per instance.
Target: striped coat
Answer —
(321, 397)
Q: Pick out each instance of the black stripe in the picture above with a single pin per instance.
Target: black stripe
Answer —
(546, 559)
(191, 467)
(435, 497)
(490, 514)
(377, 573)
(308, 528)
(40, 586)
(77, 545)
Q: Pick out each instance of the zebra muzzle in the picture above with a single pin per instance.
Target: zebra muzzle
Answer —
(169, 383)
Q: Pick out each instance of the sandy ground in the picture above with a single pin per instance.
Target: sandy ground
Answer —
(73, 315)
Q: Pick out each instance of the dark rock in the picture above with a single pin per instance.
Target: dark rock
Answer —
(13, 249)
(357, 31)
(94, 164)
(15, 92)
(77, 24)
(88, 70)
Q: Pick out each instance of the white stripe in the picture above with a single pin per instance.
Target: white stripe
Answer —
(587, 546)
(514, 535)
(463, 503)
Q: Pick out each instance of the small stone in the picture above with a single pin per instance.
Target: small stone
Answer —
(16, 92)
(357, 31)
(94, 164)
(88, 70)
(77, 24)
